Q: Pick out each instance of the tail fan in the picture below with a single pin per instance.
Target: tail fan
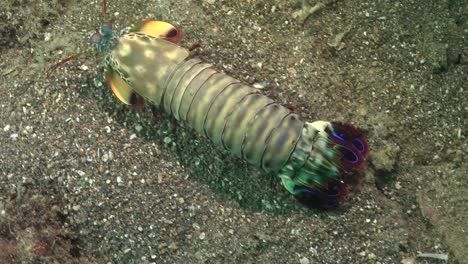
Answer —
(340, 152)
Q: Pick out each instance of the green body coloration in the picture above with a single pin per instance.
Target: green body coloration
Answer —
(233, 115)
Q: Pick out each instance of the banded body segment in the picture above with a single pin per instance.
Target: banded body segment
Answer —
(204, 98)
(299, 156)
(259, 130)
(221, 107)
(191, 90)
(179, 91)
(237, 122)
(174, 82)
(320, 167)
(282, 142)
(231, 114)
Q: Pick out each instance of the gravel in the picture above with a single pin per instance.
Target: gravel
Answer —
(83, 179)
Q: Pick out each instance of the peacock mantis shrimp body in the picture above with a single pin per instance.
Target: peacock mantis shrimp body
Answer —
(318, 162)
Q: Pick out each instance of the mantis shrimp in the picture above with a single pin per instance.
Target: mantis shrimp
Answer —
(319, 162)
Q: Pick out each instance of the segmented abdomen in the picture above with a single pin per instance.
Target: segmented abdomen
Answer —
(233, 115)
(318, 162)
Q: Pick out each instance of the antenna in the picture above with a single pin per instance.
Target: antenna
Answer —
(57, 65)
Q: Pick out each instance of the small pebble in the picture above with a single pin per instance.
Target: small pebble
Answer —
(313, 251)
(202, 236)
(138, 128)
(398, 185)
(47, 36)
(304, 260)
(173, 246)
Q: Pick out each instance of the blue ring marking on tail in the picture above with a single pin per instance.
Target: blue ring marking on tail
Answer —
(360, 145)
(356, 157)
(338, 136)
(330, 205)
(313, 199)
(309, 191)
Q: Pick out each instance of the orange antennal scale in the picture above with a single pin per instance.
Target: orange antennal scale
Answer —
(159, 29)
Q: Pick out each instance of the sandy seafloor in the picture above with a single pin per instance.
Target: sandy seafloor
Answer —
(83, 179)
